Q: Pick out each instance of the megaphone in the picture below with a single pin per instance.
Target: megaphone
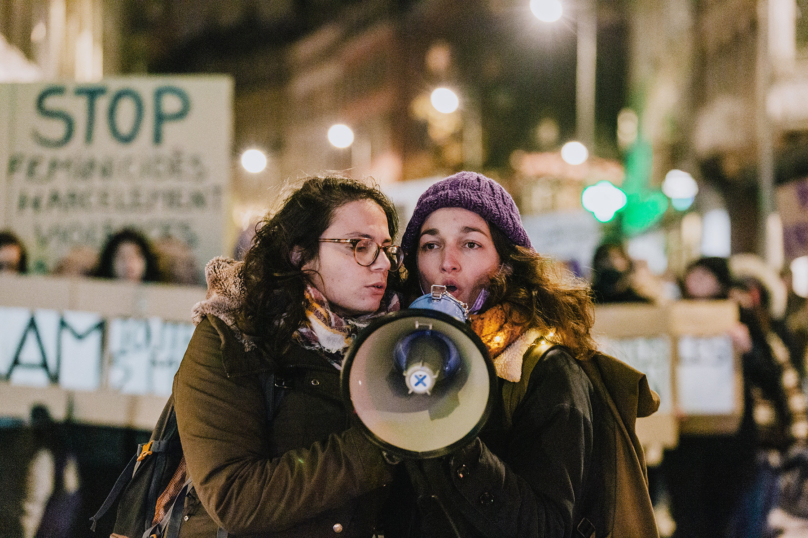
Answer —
(420, 380)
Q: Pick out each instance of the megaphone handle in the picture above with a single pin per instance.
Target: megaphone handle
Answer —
(423, 490)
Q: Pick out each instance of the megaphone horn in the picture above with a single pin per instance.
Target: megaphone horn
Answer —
(420, 382)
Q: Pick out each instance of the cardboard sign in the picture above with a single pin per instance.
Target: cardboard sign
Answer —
(652, 355)
(80, 161)
(44, 347)
(95, 351)
(705, 375)
(792, 204)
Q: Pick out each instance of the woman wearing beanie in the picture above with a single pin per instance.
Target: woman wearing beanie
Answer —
(539, 464)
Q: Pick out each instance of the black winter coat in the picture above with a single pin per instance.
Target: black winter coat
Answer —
(518, 481)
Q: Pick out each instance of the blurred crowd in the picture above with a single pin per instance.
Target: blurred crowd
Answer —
(127, 255)
(56, 474)
(753, 482)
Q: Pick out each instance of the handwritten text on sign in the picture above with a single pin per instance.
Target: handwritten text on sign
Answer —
(83, 161)
(46, 347)
(650, 355)
(705, 376)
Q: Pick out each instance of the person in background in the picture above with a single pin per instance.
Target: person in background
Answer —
(13, 257)
(712, 478)
(177, 262)
(317, 272)
(79, 261)
(128, 255)
(541, 471)
(616, 278)
(777, 401)
(795, 319)
(53, 497)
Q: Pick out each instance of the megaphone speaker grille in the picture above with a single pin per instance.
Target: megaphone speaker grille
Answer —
(418, 425)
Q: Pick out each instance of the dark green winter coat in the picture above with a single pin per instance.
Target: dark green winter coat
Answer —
(304, 473)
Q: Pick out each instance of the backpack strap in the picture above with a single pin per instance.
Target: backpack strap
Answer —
(143, 451)
(172, 528)
(155, 445)
(120, 483)
(514, 393)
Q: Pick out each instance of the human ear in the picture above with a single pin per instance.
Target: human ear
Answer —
(296, 256)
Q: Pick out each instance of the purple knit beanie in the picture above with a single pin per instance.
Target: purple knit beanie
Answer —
(472, 191)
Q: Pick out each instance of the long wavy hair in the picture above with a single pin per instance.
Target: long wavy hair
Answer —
(541, 293)
(8, 238)
(274, 281)
(106, 260)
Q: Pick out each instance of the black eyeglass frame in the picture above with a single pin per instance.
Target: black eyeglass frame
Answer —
(398, 253)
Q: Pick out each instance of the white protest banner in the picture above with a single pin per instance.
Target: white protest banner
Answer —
(80, 161)
(44, 347)
(652, 355)
(792, 204)
(40, 347)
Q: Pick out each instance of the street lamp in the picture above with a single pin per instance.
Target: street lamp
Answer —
(340, 135)
(586, 61)
(444, 100)
(254, 160)
(547, 10)
(574, 153)
(681, 188)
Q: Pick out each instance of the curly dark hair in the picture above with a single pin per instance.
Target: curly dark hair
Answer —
(274, 283)
(105, 267)
(8, 238)
(541, 292)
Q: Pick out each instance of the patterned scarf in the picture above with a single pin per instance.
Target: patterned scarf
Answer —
(330, 334)
(495, 328)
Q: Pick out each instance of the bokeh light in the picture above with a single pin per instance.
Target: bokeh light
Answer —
(547, 10)
(681, 188)
(254, 160)
(799, 276)
(574, 153)
(444, 100)
(679, 184)
(340, 135)
(603, 200)
(627, 127)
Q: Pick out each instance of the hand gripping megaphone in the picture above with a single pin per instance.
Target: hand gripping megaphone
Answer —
(420, 381)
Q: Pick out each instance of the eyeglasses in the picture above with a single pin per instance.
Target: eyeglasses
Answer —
(366, 251)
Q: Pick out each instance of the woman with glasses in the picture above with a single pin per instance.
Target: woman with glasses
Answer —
(317, 272)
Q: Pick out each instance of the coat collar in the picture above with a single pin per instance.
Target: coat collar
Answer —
(508, 364)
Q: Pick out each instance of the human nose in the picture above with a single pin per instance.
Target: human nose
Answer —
(382, 262)
(449, 262)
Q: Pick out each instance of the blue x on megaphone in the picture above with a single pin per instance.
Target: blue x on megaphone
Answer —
(420, 380)
(426, 357)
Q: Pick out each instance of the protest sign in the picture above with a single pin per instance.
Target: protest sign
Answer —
(79, 161)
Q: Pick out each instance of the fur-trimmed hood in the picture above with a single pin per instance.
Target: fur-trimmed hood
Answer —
(225, 297)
